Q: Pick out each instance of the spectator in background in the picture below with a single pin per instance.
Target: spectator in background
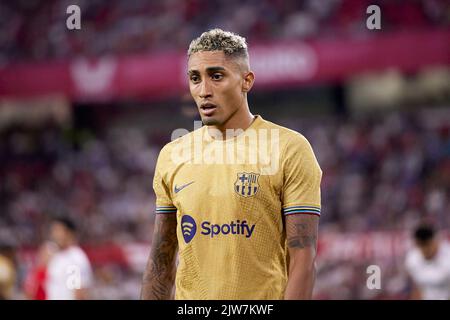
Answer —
(7, 271)
(69, 273)
(428, 265)
(35, 282)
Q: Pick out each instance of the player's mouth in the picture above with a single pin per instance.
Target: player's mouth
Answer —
(208, 108)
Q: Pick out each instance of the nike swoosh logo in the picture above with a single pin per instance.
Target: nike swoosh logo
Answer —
(182, 187)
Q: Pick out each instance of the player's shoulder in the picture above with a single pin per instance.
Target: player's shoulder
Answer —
(288, 137)
(445, 251)
(78, 254)
(413, 258)
(445, 246)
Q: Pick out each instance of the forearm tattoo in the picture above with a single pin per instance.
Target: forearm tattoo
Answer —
(159, 274)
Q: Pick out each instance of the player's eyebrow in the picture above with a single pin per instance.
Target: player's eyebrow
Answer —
(214, 69)
(208, 70)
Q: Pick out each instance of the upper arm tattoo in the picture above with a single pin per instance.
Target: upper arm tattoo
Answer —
(160, 271)
(301, 230)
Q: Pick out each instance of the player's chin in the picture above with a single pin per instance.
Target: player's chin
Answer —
(210, 121)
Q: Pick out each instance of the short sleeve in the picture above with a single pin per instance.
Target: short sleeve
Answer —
(302, 178)
(164, 203)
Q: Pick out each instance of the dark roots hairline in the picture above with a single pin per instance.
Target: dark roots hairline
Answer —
(240, 58)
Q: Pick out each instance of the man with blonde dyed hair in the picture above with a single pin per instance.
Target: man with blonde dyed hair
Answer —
(241, 233)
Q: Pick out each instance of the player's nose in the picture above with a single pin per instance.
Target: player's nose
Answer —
(205, 90)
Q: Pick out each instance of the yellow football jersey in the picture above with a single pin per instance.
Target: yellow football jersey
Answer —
(230, 197)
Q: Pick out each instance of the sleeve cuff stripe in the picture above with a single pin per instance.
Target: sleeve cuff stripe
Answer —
(303, 212)
(165, 211)
(287, 210)
(165, 207)
(302, 207)
(168, 210)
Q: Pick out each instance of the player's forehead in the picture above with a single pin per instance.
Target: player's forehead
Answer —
(203, 61)
(57, 225)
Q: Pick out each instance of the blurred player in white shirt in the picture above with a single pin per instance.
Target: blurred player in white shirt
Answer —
(428, 265)
(69, 273)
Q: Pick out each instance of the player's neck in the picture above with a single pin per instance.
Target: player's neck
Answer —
(238, 122)
(68, 244)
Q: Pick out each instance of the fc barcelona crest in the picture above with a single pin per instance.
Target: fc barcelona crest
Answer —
(246, 184)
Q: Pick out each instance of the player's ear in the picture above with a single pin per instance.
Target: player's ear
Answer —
(249, 79)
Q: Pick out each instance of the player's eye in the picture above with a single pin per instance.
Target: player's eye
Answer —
(194, 78)
(217, 76)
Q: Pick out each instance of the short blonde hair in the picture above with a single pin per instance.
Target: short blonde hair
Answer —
(230, 43)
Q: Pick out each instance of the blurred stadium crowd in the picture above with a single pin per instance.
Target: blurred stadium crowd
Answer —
(394, 168)
(382, 171)
(36, 30)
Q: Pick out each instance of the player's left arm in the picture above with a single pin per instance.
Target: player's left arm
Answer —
(301, 210)
(301, 233)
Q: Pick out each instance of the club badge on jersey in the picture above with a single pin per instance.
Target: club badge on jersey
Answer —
(246, 184)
